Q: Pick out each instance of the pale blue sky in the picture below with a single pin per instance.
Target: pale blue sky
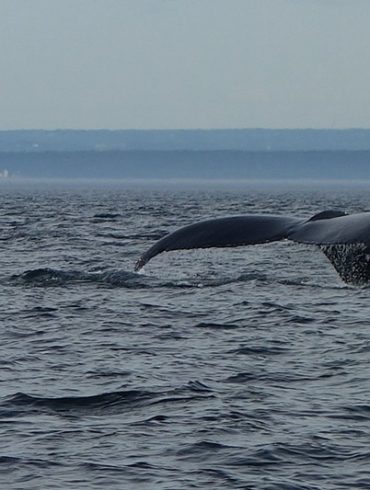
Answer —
(184, 63)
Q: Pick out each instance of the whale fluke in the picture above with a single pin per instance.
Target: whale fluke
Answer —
(345, 239)
(234, 231)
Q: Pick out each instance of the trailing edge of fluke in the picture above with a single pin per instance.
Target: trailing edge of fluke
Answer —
(345, 239)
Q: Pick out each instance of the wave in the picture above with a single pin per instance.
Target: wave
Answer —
(46, 276)
(107, 216)
(8, 461)
(103, 403)
(217, 326)
(259, 350)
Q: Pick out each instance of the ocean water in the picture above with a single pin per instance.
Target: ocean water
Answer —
(242, 368)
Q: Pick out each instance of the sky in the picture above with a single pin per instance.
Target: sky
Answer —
(180, 64)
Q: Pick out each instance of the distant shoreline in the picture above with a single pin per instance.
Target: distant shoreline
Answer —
(186, 164)
(185, 140)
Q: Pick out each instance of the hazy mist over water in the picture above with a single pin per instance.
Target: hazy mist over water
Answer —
(231, 368)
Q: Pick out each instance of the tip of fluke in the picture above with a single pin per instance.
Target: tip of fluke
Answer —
(144, 259)
(139, 264)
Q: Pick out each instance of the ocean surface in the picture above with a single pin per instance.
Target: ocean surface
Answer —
(244, 368)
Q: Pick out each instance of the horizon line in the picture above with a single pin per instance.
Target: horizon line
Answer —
(187, 129)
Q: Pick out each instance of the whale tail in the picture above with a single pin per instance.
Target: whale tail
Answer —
(351, 261)
(234, 231)
(344, 239)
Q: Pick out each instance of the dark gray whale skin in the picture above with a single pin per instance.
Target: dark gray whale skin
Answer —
(329, 229)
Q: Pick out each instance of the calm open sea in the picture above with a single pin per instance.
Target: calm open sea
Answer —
(243, 368)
